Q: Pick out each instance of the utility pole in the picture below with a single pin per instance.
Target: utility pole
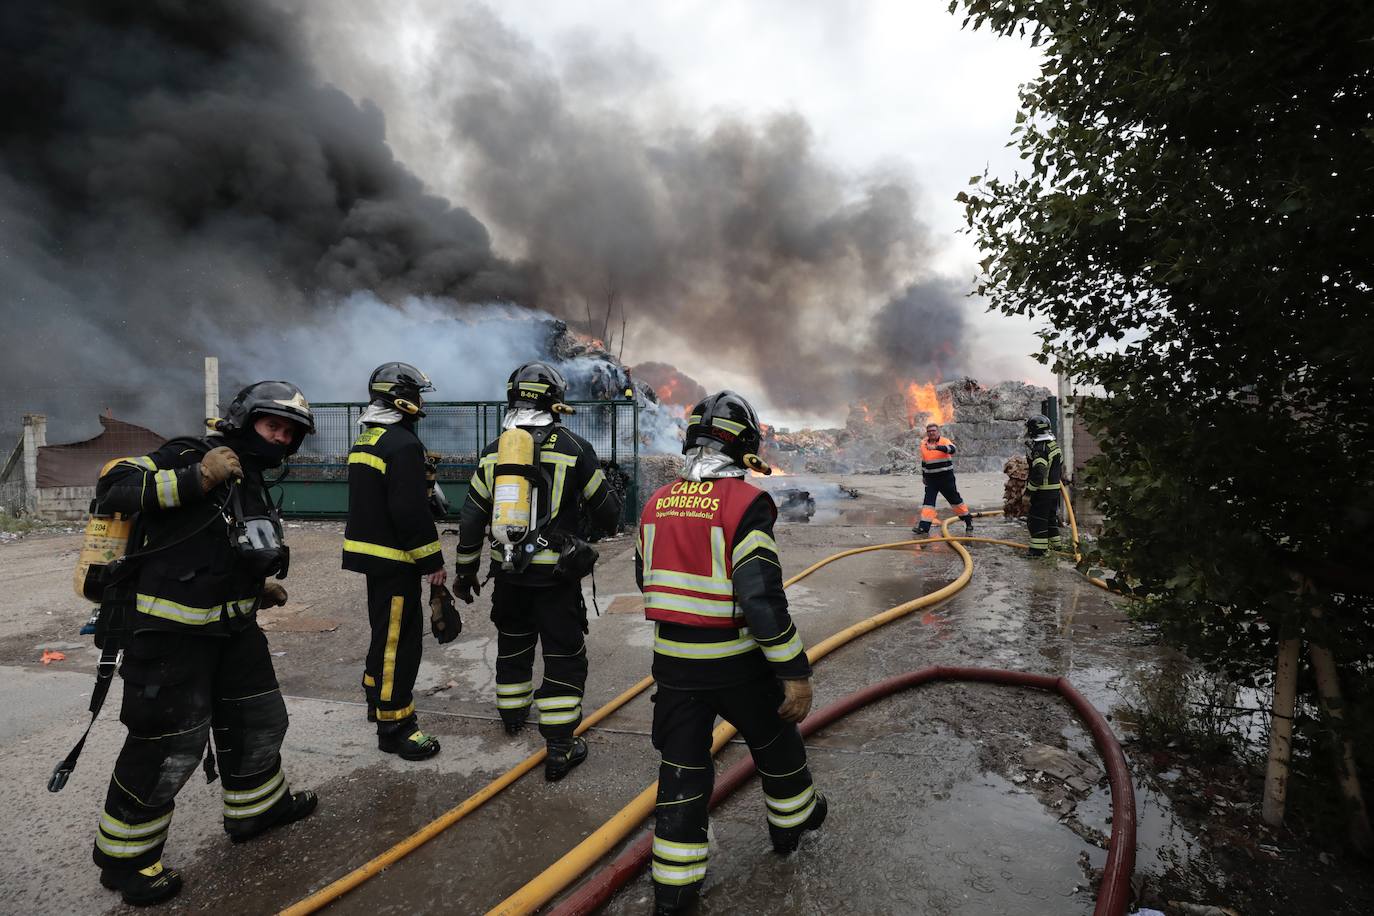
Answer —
(211, 387)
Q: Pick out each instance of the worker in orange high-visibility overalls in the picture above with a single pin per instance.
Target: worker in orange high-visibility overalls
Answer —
(937, 473)
(724, 645)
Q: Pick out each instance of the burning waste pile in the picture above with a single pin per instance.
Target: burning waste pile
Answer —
(882, 437)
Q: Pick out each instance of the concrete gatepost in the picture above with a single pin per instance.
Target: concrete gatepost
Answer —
(35, 437)
(211, 387)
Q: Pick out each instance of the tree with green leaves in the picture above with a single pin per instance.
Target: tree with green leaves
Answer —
(1195, 229)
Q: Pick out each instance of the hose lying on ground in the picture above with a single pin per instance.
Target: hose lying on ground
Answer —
(1112, 894)
(401, 849)
(581, 857)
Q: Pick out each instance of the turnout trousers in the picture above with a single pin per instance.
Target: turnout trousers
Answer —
(1043, 521)
(683, 721)
(940, 485)
(552, 617)
(393, 655)
(178, 689)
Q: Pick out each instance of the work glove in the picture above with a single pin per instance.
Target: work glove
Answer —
(796, 700)
(466, 586)
(444, 621)
(218, 465)
(945, 448)
(273, 595)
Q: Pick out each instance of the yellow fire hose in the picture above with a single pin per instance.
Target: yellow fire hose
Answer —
(627, 819)
(566, 870)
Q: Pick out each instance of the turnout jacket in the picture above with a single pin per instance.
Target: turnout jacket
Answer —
(708, 566)
(573, 483)
(390, 528)
(1046, 466)
(935, 459)
(198, 585)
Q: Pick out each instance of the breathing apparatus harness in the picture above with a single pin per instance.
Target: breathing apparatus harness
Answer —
(519, 471)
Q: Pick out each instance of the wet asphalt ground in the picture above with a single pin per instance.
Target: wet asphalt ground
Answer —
(932, 810)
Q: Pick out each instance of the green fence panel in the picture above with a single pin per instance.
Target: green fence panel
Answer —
(458, 431)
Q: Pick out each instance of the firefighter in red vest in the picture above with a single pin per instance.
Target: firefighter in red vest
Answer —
(937, 473)
(724, 645)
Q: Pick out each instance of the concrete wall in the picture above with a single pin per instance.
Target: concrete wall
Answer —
(63, 504)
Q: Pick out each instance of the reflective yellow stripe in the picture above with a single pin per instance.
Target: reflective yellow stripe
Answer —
(396, 715)
(123, 831)
(728, 425)
(369, 681)
(472, 557)
(751, 542)
(129, 848)
(598, 478)
(678, 875)
(705, 584)
(371, 461)
(168, 496)
(507, 690)
(784, 805)
(791, 820)
(195, 616)
(377, 550)
(393, 636)
(246, 796)
(558, 458)
(253, 810)
(419, 553)
(726, 649)
(479, 485)
(785, 652)
(680, 852)
(706, 607)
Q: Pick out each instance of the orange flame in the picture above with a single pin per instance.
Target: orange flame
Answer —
(922, 399)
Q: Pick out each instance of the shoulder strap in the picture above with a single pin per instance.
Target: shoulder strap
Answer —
(104, 675)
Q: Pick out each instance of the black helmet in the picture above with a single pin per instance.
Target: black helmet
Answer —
(537, 385)
(1037, 425)
(727, 422)
(399, 385)
(278, 399)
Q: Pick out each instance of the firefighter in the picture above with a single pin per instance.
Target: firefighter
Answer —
(724, 645)
(196, 662)
(537, 599)
(937, 473)
(391, 539)
(1043, 485)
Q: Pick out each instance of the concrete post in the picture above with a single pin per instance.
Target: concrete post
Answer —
(35, 437)
(211, 387)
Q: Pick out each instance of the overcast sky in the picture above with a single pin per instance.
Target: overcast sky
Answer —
(887, 85)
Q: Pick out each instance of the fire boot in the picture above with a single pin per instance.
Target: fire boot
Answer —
(413, 746)
(143, 887)
(298, 806)
(564, 754)
(513, 720)
(676, 901)
(968, 524)
(786, 839)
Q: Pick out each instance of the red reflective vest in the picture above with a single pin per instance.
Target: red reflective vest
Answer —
(935, 462)
(686, 534)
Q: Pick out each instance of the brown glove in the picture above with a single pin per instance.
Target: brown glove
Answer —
(218, 465)
(796, 700)
(273, 595)
(444, 621)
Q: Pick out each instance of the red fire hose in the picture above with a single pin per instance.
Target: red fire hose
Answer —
(1112, 894)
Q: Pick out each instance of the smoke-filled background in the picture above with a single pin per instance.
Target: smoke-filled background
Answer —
(178, 179)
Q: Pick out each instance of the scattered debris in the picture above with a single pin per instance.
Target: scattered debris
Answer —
(796, 505)
(1201, 909)
(50, 656)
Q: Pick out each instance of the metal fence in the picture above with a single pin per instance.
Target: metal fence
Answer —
(457, 431)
